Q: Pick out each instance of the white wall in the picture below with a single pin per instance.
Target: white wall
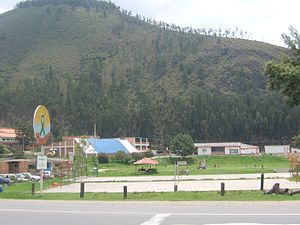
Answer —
(249, 151)
(277, 149)
(232, 151)
(204, 151)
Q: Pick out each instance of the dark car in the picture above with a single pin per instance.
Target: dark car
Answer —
(4, 180)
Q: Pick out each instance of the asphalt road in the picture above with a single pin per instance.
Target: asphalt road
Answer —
(16, 212)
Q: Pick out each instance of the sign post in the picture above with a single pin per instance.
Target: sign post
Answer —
(41, 128)
(41, 164)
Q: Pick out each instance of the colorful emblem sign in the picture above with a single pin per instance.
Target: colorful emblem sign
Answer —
(41, 124)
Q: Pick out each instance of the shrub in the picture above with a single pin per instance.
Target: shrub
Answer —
(122, 157)
(137, 156)
(148, 154)
(102, 158)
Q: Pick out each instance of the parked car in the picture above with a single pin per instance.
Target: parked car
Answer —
(31, 176)
(11, 176)
(5, 180)
(21, 178)
(48, 175)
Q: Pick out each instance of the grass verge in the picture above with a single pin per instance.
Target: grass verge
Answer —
(154, 196)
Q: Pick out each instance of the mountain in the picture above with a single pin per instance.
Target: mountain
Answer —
(91, 63)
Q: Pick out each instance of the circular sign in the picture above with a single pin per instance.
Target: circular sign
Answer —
(41, 124)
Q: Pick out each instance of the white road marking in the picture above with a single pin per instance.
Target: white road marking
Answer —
(156, 220)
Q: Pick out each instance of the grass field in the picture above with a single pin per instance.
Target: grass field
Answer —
(152, 196)
(214, 165)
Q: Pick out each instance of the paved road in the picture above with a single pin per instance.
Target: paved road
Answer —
(25, 212)
(186, 183)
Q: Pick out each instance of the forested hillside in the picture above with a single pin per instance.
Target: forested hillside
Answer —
(91, 63)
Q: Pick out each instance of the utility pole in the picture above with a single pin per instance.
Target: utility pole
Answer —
(23, 146)
(95, 130)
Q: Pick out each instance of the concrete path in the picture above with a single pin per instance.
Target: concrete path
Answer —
(184, 177)
(186, 183)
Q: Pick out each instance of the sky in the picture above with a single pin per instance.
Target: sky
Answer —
(266, 20)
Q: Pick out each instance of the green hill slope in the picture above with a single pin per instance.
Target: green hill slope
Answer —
(91, 62)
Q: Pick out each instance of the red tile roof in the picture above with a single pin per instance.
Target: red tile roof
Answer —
(146, 161)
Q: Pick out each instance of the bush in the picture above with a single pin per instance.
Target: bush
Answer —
(137, 156)
(148, 154)
(122, 157)
(102, 158)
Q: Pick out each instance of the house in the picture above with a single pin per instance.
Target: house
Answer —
(8, 136)
(226, 148)
(141, 144)
(277, 149)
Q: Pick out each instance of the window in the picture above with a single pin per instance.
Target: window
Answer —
(218, 149)
(234, 151)
(31, 166)
(204, 150)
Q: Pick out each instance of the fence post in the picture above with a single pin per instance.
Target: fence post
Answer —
(222, 189)
(262, 176)
(81, 190)
(125, 192)
(175, 187)
(32, 188)
(276, 187)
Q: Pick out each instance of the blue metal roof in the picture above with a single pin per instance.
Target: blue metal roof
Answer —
(107, 146)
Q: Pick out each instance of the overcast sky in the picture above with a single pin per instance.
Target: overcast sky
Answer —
(265, 19)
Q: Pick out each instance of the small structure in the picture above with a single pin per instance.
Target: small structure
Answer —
(146, 161)
(226, 148)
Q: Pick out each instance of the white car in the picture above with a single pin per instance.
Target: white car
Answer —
(32, 177)
(21, 178)
(48, 175)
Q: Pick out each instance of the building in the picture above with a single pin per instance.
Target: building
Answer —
(17, 166)
(8, 136)
(141, 144)
(62, 148)
(277, 149)
(226, 148)
(110, 146)
(91, 146)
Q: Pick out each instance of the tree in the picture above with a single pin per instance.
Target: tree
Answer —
(2, 150)
(296, 141)
(122, 157)
(79, 164)
(24, 133)
(285, 76)
(182, 144)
